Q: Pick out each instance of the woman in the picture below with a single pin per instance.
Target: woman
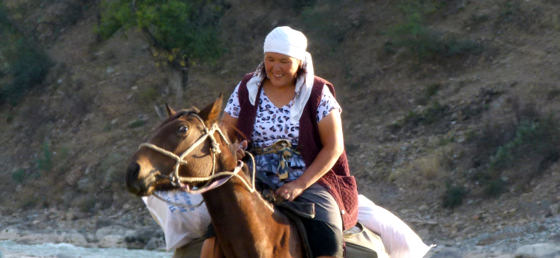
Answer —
(293, 125)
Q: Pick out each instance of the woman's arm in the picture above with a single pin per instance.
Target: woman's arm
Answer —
(330, 132)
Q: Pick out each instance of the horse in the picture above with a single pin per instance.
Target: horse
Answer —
(191, 151)
(190, 147)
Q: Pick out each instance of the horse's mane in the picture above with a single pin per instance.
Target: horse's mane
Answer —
(234, 135)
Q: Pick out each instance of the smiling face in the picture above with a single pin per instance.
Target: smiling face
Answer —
(281, 70)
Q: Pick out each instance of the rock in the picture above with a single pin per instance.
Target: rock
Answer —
(556, 238)
(554, 209)
(73, 176)
(155, 243)
(84, 184)
(446, 252)
(112, 236)
(69, 215)
(111, 241)
(482, 255)
(74, 237)
(9, 233)
(538, 250)
(142, 237)
(49, 236)
(487, 240)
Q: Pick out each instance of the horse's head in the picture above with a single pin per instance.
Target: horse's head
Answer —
(187, 144)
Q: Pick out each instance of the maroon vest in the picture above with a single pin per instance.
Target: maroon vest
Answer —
(338, 181)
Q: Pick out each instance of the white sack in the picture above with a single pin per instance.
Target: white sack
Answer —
(180, 224)
(399, 239)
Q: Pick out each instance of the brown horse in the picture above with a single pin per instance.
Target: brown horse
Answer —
(189, 151)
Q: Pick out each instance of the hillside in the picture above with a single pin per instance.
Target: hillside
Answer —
(450, 108)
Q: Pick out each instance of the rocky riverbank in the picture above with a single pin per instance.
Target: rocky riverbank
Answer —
(132, 227)
(539, 238)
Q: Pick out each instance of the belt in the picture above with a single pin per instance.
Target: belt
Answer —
(282, 147)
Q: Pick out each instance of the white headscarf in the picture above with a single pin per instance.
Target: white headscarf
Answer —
(287, 41)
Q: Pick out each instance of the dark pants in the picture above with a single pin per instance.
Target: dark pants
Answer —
(324, 239)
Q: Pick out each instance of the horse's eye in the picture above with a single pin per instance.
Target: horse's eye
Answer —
(182, 130)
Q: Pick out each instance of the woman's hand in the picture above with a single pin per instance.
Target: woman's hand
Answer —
(291, 190)
(330, 130)
(240, 150)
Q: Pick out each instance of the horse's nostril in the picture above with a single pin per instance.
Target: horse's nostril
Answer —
(132, 177)
(132, 171)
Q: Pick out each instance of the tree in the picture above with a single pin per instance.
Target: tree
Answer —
(181, 32)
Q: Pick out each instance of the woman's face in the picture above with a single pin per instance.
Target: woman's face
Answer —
(281, 69)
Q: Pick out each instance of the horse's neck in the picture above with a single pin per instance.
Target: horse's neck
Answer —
(240, 218)
(233, 199)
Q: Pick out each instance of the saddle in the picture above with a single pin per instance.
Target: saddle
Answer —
(359, 241)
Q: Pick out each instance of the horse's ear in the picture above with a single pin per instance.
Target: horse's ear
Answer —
(211, 113)
(170, 111)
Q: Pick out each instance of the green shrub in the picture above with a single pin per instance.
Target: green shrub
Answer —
(428, 92)
(4, 21)
(187, 29)
(552, 94)
(494, 188)
(523, 17)
(424, 43)
(531, 138)
(28, 69)
(137, 123)
(300, 5)
(87, 204)
(45, 160)
(148, 94)
(477, 20)
(326, 23)
(19, 175)
(24, 62)
(453, 195)
(430, 115)
(510, 154)
(116, 14)
(432, 89)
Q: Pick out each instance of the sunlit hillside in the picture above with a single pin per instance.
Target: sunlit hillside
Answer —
(450, 108)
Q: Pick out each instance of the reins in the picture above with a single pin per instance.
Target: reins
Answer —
(183, 182)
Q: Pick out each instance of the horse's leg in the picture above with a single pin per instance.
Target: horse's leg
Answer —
(211, 249)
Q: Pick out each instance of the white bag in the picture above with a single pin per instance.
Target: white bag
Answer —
(180, 224)
(399, 239)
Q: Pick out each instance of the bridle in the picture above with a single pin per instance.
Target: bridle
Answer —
(183, 182)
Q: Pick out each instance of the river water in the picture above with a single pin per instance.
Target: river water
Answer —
(11, 249)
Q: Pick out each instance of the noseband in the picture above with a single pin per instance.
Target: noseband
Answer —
(183, 182)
